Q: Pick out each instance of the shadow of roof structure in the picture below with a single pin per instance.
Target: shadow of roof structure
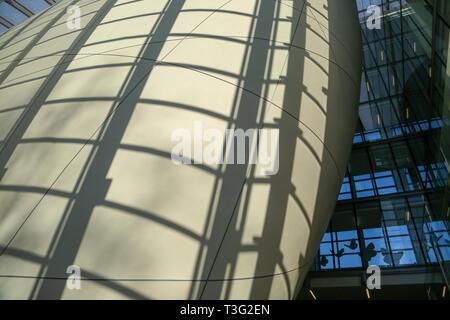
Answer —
(86, 118)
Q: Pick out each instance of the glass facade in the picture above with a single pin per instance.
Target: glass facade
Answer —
(392, 210)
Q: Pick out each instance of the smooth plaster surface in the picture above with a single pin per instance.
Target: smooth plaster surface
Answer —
(86, 118)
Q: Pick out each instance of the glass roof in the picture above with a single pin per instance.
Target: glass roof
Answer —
(13, 12)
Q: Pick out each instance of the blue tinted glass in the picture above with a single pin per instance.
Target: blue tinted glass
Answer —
(378, 244)
(437, 123)
(437, 225)
(402, 242)
(363, 194)
(325, 248)
(363, 184)
(34, 5)
(424, 125)
(347, 235)
(11, 14)
(445, 252)
(381, 174)
(362, 177)
(385, 182)
(346, 196)
(431, 255)
(326, 236)
(397, 230)
(372, 136)
(378, 260)
(388, 191)
(372, 232)
(396, 131)
(406, 257)
(350, 261)
(345, 187)
(357, 138)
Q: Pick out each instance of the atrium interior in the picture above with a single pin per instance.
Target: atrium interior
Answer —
(86, 114)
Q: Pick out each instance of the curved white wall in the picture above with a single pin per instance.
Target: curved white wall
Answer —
(86, 118)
